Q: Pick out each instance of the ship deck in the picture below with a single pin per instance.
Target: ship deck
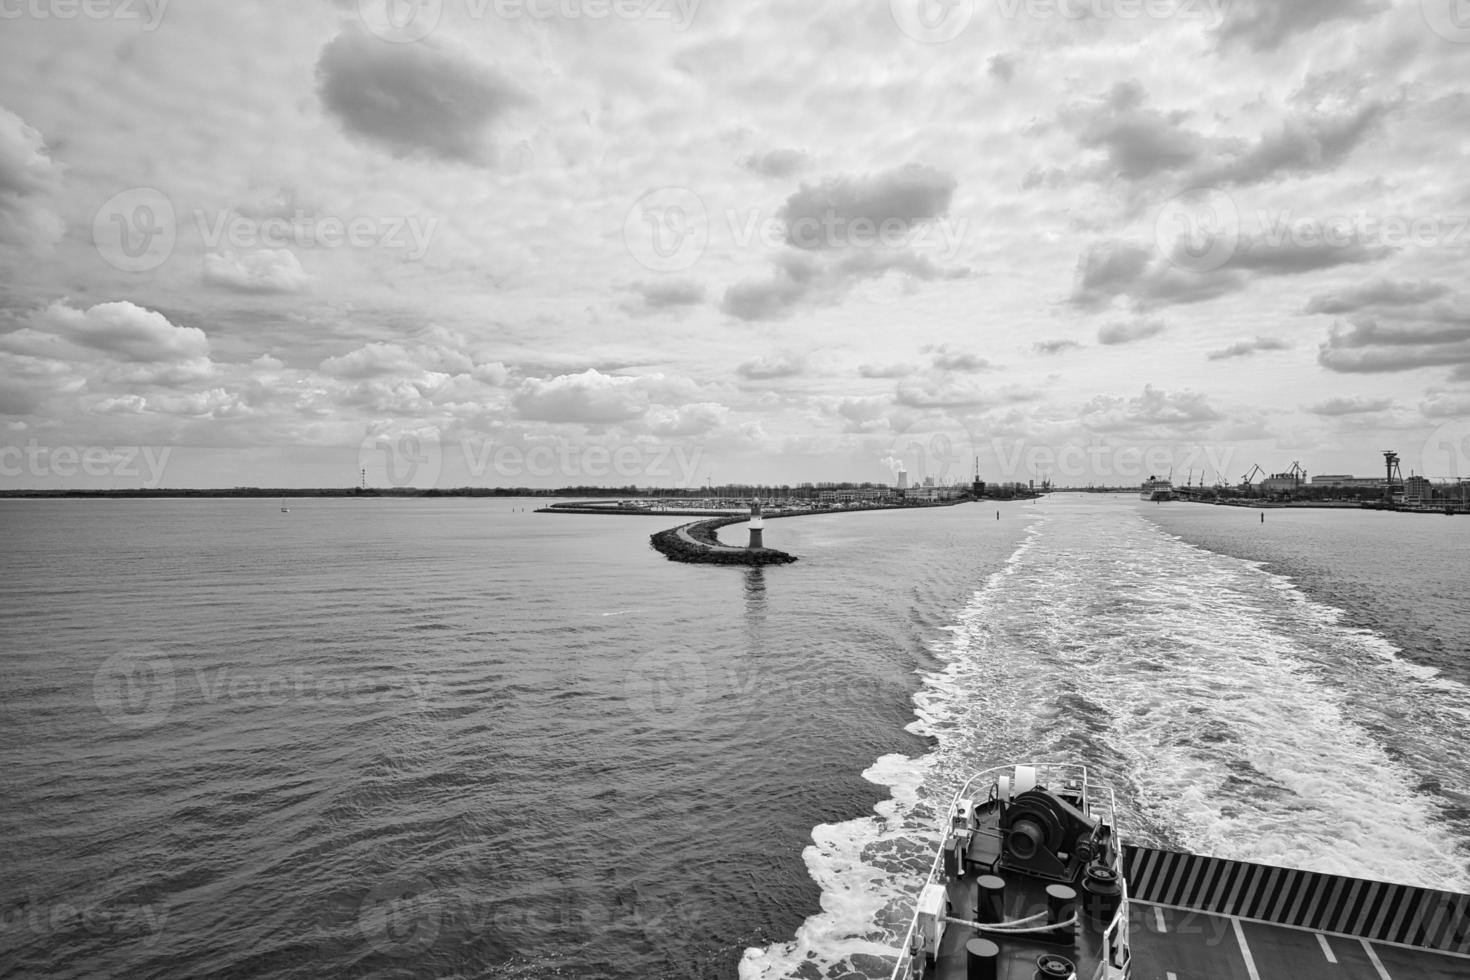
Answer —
(1198, 917)
(1180, 944)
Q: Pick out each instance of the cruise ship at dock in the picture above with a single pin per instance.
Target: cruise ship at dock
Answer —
(1157, 489)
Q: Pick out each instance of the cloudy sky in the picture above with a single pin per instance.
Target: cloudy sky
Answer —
(546, 242)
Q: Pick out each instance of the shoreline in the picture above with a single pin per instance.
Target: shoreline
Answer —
(249, 493)
(590, 508)
(1451, 509)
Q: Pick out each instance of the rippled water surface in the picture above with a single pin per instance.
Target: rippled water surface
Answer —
(456, 738)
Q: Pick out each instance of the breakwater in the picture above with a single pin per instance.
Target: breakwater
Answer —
(697, 544)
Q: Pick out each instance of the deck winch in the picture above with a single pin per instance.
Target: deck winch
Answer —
(1021, 887)
(1047, 836)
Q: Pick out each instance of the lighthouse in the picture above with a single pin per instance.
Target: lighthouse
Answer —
(757, 524)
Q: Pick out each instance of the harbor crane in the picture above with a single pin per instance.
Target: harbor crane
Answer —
(1246, 480)
(1299, 475)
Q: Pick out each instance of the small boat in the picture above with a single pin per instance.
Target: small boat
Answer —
(284, 508)
(1028, 883)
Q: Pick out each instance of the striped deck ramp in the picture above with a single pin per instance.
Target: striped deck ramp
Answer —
(1374, 910)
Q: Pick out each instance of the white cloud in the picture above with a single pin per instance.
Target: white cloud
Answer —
(772, 367)
(265, 270)
(779, 163)
(590, 398)
(126, 331)
(1114, 334)
(1268, 24)
(1356, 405)
(1046, 147)
(1154, 411)
(382, 360)
(27, 176)
(1247, 348)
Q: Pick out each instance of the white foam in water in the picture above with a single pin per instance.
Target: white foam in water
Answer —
(852, 895)
(855, 891)
(1246, 714)
(1233, 714)
(902, 776)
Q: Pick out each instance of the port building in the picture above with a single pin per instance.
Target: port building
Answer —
(1363, 482)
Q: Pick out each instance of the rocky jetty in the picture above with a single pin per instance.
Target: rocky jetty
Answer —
(697, 544)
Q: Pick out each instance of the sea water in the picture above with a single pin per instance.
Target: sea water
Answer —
(457, 738)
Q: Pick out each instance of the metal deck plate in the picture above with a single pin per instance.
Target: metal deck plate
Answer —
(1178, 944)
